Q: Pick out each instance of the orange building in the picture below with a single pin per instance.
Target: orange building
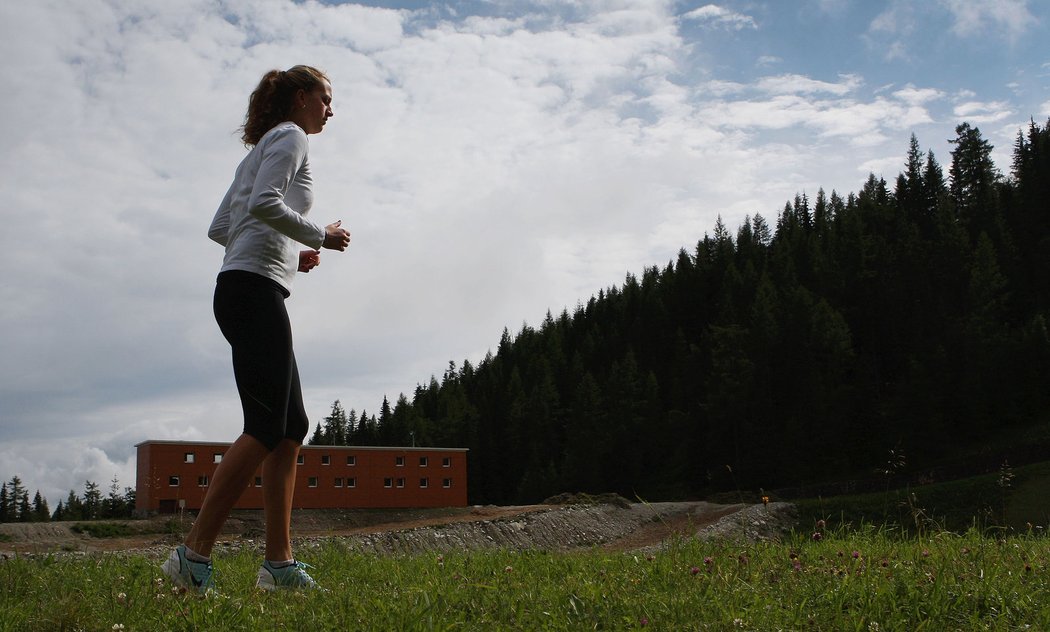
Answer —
(174, 475)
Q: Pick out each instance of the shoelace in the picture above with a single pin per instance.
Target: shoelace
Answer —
(302, 566)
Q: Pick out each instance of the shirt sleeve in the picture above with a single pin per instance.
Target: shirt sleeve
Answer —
(282, 158)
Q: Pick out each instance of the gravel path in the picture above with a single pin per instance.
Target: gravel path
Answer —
(620, 526)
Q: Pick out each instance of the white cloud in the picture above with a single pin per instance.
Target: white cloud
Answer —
(768, 60)
(721, 88)
(1010, 18)
(918, 96)
(886, 167)
(799, 84)
(980, 112)
(1044, 109)
(715, 16)
(897, 19)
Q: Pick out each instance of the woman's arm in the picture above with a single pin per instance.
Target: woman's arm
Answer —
(283, 156)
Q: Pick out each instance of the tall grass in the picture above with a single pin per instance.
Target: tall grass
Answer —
(865, 579)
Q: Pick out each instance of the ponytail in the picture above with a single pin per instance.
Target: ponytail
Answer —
(271, 102)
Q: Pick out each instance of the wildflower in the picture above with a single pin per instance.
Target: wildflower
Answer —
(925, 552)
(797, 565)
(738, 623)
(821, 524)
(694, 570)
(765, 500)
(742, 558)
(508, 569)
(122, 598)
(817, 536)
(708, 561)
(117, 626)
(643, 622)
(650, 557)
(855, 555)
(885, 563)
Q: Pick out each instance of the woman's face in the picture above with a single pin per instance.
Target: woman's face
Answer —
(314, 109)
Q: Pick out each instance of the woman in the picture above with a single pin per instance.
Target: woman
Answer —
(261, 222)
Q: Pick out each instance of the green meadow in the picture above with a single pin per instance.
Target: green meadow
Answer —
(983, 565)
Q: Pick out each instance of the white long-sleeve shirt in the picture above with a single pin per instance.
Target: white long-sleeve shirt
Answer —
(264, 212)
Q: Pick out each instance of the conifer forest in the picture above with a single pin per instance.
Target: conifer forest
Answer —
(909, 318)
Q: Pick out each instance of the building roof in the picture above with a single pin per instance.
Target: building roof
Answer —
(307, 447)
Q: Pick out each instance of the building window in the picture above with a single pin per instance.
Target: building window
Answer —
(446, 461)
(338, 482)
(400, 482)
(311, 482)
(217, 457)
(258, 481)
(300, 460)
(446, 483)
(388, 482)
(351, 460)
(424, 483)
(189, 457)
(351, 482)
(173, 481)
(423, 461)
(325, 459)
(399, 461)
(202, 481)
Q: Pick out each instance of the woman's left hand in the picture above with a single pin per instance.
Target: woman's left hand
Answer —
(309, 259)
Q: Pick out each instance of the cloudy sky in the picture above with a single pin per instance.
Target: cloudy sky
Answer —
(493, 159)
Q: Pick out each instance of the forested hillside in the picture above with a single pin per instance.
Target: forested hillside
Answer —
(911, 316)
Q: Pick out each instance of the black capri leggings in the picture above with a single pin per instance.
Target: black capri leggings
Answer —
(251, 314)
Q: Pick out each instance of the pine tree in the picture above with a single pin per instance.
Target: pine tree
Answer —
(113, 505)
(25, 510)
(5, 503)
(15, 493)
(973, 184)
(74, 509)
(92, 501)
(41, 512)
(129, 501)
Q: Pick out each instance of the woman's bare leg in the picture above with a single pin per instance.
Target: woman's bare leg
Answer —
(278, 489)
(231, 478)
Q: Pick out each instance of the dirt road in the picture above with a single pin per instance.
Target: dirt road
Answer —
(615, 526)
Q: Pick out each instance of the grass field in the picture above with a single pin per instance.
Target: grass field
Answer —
(965, 555)
(866, 579)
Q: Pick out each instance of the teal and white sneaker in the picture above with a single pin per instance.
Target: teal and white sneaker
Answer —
(292, 576)
(196, 576)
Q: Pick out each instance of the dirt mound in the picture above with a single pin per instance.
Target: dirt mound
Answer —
(612, 525)
(581, 498)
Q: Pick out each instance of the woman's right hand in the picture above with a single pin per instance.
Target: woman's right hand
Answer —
(336, 238)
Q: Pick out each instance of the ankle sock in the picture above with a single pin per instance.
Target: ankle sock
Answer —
(280, 564)
(194, 556)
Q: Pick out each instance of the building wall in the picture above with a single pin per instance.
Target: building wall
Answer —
(176, 474)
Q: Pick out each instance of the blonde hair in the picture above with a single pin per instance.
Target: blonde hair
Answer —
(271, 102)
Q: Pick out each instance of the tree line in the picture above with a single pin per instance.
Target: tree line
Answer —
(15, 505)
(908, 316)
